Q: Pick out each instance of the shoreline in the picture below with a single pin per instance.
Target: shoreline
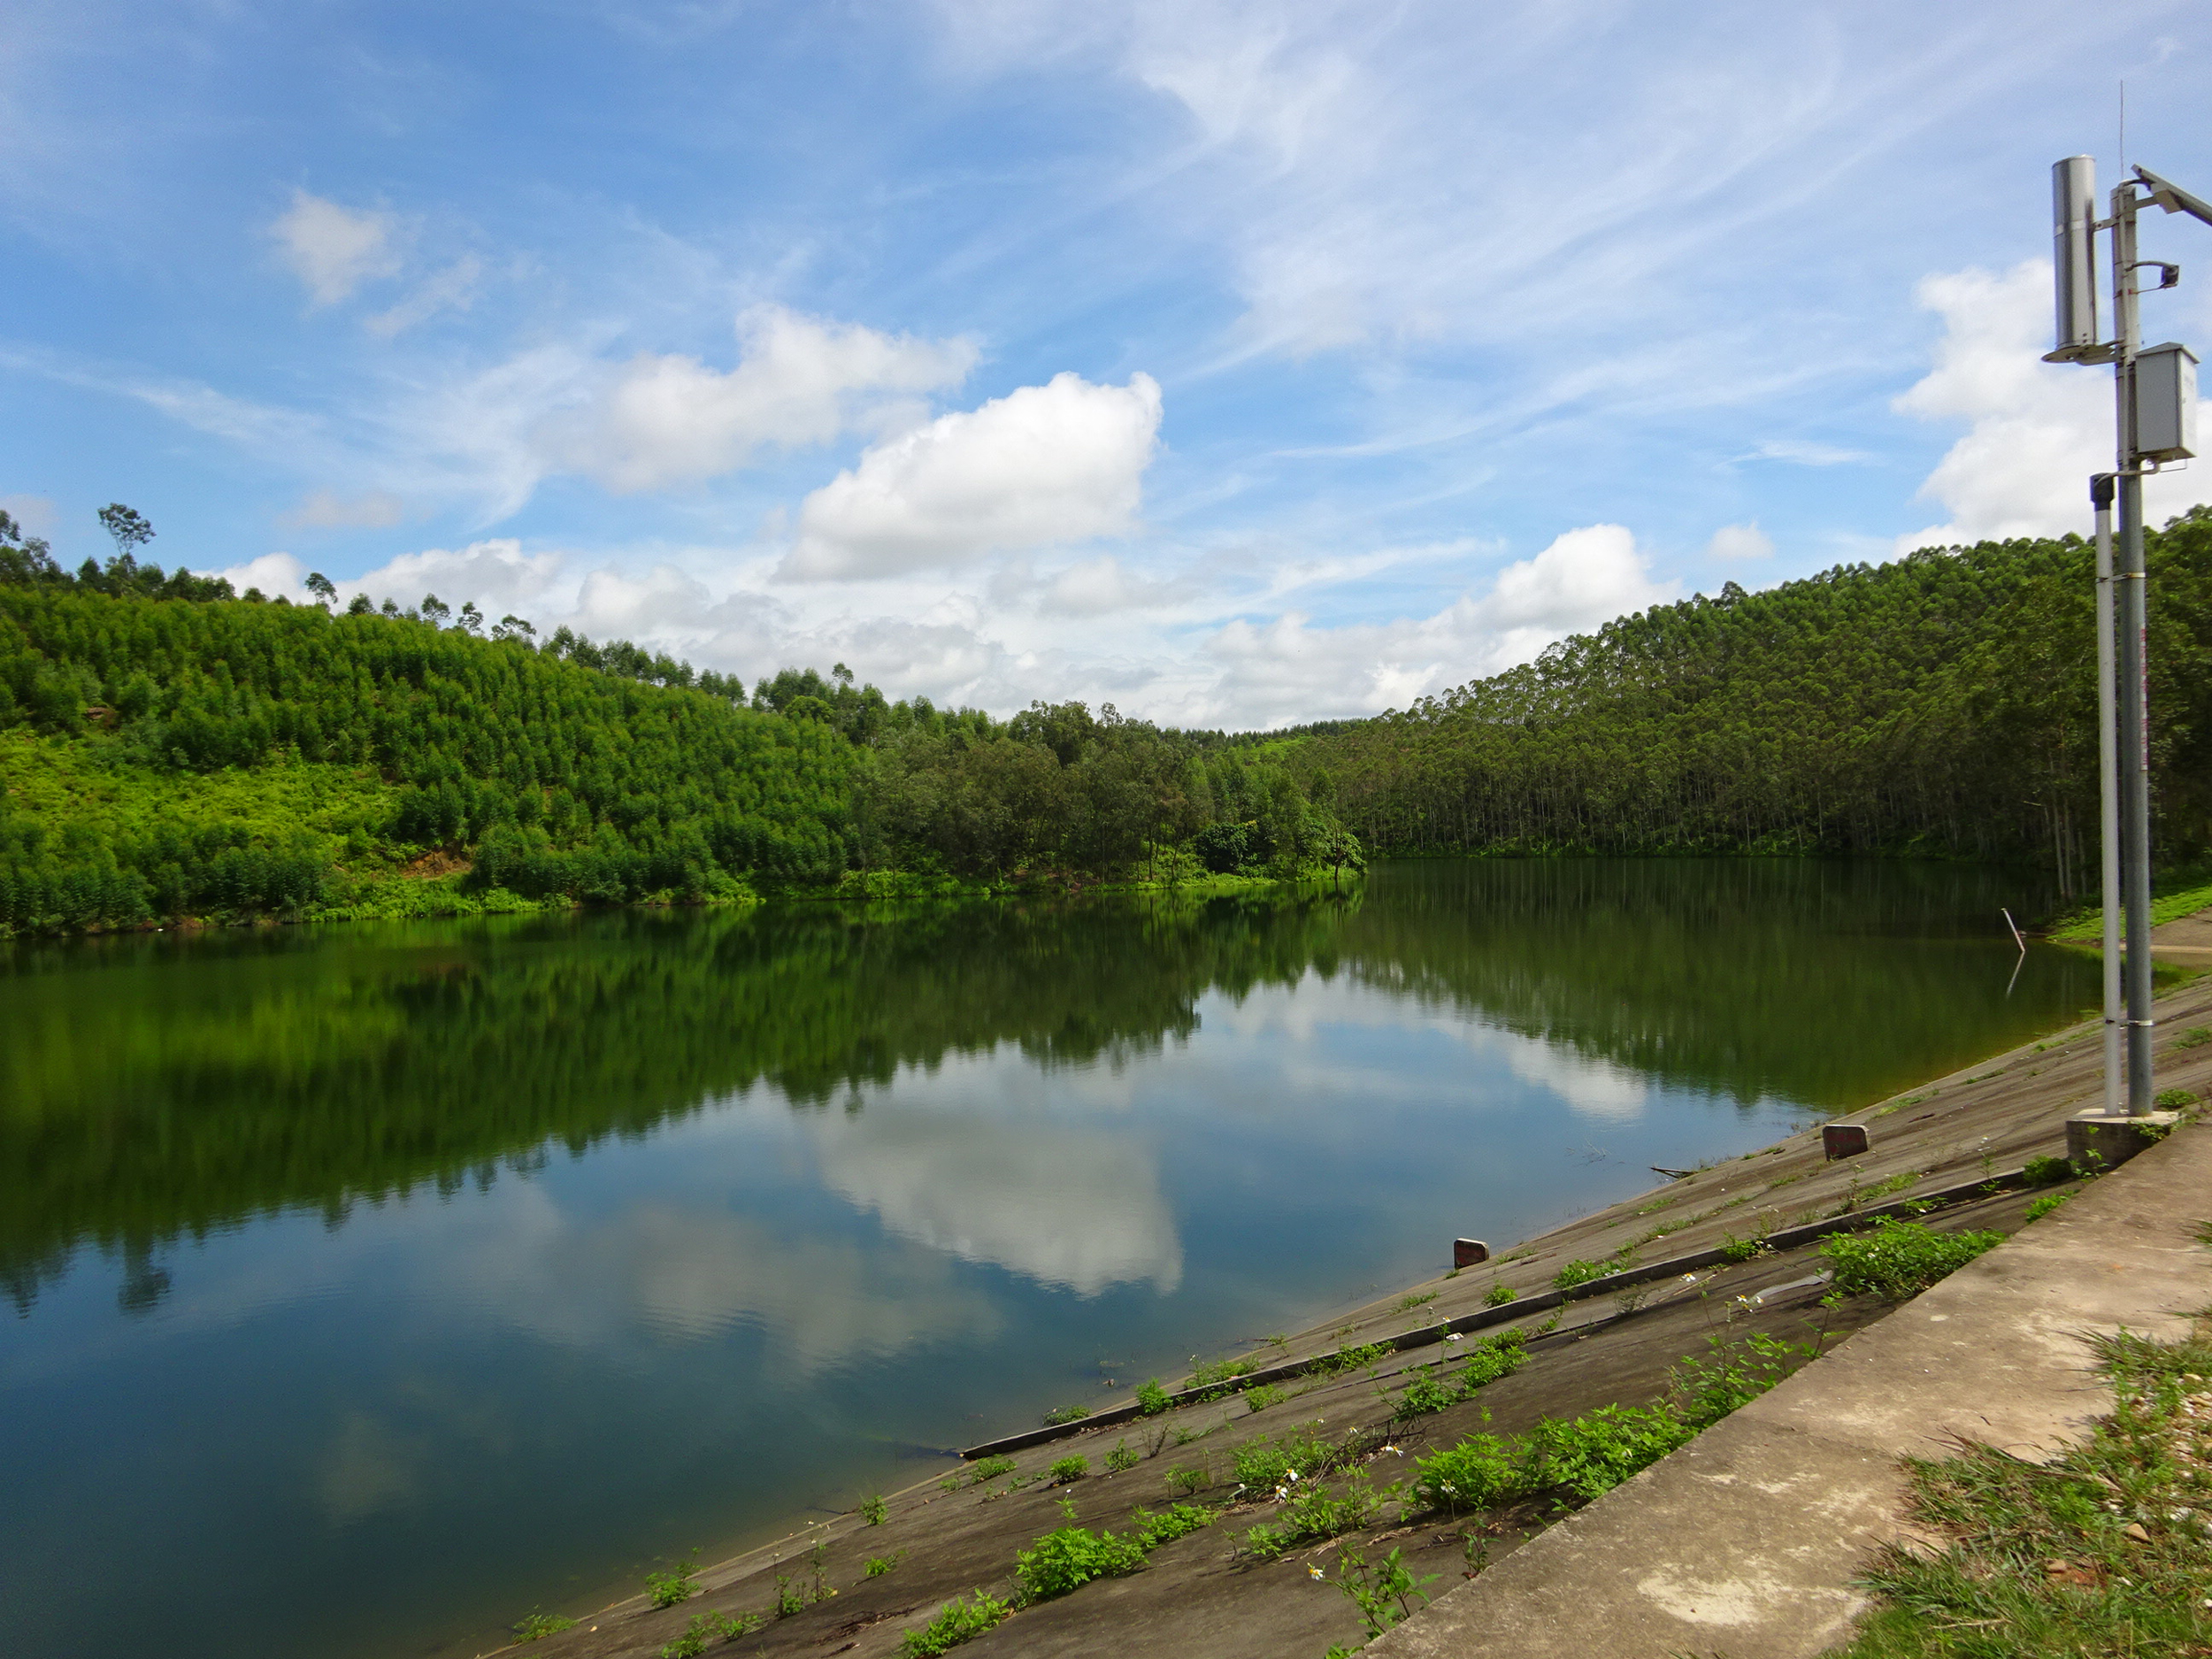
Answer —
(1981, 1121)
(902, 890)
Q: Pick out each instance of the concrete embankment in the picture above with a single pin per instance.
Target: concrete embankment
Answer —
(1748, 1538)
(2104, 1256)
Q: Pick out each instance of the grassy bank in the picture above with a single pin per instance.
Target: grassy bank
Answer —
(2183, 894)
(2102, 1551)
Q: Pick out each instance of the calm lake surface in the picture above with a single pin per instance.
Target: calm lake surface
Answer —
(374, 1285)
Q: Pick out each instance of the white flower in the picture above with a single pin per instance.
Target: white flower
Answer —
(1313, 1573)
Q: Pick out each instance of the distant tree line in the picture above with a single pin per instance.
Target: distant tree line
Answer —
(1937, 705)
(1941, 704)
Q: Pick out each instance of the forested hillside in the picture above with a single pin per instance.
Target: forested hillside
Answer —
(1943, 704)
(170, 749)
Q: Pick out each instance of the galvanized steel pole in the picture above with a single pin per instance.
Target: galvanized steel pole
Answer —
(2108, 797)
(2134, 689)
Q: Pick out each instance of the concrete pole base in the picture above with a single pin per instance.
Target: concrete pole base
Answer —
(2095, 1142)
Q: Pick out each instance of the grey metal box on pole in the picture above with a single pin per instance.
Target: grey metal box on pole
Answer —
(2166, 402)
(2073, 252)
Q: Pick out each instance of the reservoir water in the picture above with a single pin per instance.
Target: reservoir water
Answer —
(372, 1285)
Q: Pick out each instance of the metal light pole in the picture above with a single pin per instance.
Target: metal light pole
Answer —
(2155, 399)
(2108, 795)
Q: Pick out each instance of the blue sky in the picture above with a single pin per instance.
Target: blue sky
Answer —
(1236, 364)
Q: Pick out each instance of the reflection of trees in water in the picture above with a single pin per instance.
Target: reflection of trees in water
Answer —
(1750, 978)
(161, 1086)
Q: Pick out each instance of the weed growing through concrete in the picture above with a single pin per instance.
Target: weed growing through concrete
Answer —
(1178, 1520)
(1151, 1398)
(876, 1566)
(2099, 1551)
(2047, 1171)
(988, 1468)
(1348, 1359)
(679, 1584)
(1384, 1591)
(2195, 1037)
(538, 1626)
(1409, 1302)
(1069, 1558)
(1068, 1470)
(1898, 1259)
(1205, 1376)
(2173, 1099)
(1058, 1414)
(1314, 1513)
(1263, 1466)
(1733, 1249)
(1431, 1390)
(1578, 1272)
(711, 1627)
(1189, 1480)
(1579, 1460)
(957, 1621)
(2049, 1201)
(1123, 1456)
(1264, 1395)
(872, 1510)
(1498, 1295)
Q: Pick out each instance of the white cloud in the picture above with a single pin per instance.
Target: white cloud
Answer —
(274, 573)
(1801, 452)
(1286, 670)
(334, 250)
(660, 420)
(1101, 587)
(497, 574)
(323, 510)
(453, 288)
(1739, 541)
(1058, 463)
(2035, 430)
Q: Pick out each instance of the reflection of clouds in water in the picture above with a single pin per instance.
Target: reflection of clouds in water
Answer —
(1591, 1087)
(683, 1273)
(369, 1466)
(1062, 1205)
(1296, 1023)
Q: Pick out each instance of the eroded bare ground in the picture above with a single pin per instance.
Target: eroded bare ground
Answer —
(1204, 1595)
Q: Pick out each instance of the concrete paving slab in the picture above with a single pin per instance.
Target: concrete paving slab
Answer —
(1746, 1541)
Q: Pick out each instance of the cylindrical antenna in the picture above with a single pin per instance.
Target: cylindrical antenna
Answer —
(2073, 250)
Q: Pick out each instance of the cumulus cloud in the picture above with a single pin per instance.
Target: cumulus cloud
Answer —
(2035, 431)
(1058, 463)
(334, 250)
(1739, 541)
(497, 574)
(1100, 587)
(324, 510)
(661, 420)
(1286, 670)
